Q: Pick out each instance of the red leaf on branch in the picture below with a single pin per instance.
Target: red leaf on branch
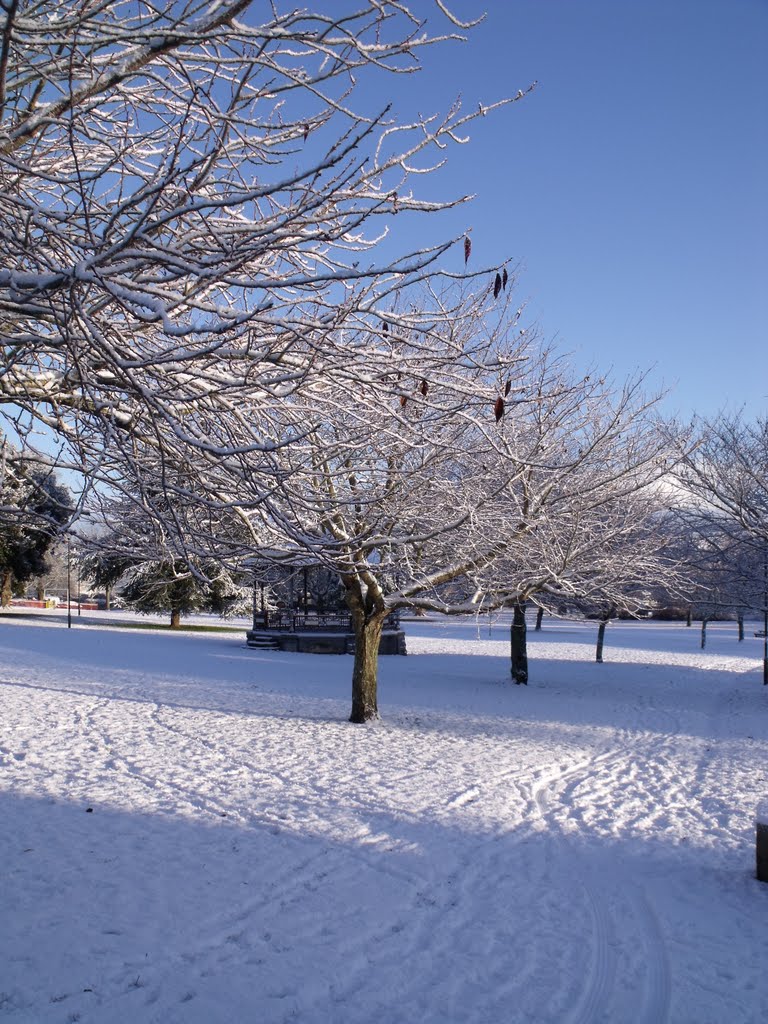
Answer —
(467, 249)
(498, 408)
(497, 286)
(504, 278)
(403, 400)
(507, 388)
(306, 131)
(424, 388)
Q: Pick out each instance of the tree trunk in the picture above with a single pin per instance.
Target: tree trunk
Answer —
(703, 632)
(175, 618)
(6, 592)
(689, 617)
(600, 641)
(519, 644)
(365, 670)
(107, 598)
(740, 621)
(539, 619)
(40, 590)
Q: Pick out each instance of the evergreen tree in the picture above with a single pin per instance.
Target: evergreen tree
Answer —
(34, 507)
(170, 585)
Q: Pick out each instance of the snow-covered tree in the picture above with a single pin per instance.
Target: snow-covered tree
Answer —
(34, 506)
(384, 479)
(586, 513)
(724, 479)
(451, 456)
(191, 196)
(444, 463)
(181, 589)
(727, 470)
(130, 559)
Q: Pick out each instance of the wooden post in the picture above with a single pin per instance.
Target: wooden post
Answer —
(519, 645)
(761, 842)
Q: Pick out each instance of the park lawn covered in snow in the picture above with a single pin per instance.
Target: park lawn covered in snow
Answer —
(192, 831)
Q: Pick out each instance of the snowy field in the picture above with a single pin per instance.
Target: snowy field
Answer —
(192, 833)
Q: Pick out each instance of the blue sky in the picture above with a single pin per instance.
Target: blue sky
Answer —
(632, 184)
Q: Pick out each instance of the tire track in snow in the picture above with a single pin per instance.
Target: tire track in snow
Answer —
(658, 989)
(466, 901)
(450, 910)
(595, 1002)
(602, 975)
(460, 914)
(96, 722)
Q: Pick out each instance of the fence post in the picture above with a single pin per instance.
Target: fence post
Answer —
(761, 842)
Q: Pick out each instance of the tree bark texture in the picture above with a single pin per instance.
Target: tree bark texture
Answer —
(740, 621)
(175, 618)
(365, 670)
(703, 632)
(539, 619)
(6, 592)
(519, 644)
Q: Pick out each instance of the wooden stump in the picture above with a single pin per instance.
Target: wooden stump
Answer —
(761, 842)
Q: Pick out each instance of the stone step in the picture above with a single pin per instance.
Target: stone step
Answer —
(262, 641)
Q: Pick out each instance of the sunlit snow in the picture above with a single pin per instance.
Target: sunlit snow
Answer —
(194, 834)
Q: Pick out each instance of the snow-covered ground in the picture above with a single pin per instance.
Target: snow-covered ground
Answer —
(192, 833)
